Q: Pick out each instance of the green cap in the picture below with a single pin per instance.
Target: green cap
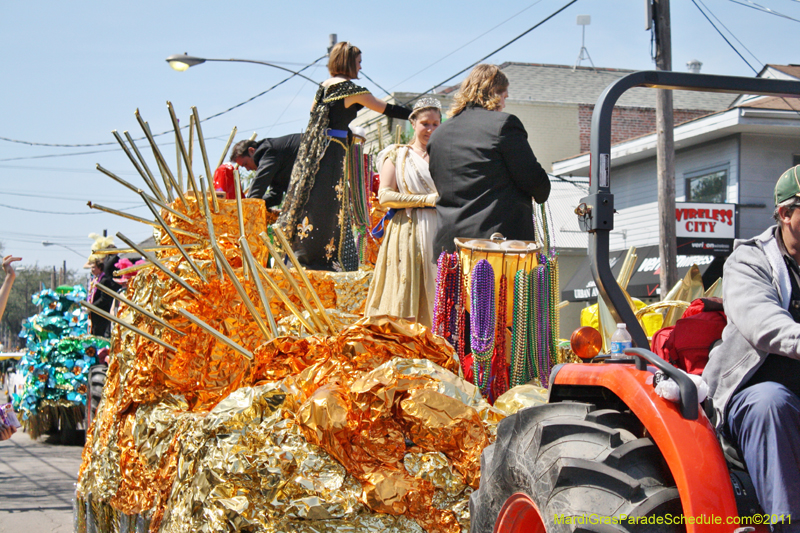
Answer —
(788, 185)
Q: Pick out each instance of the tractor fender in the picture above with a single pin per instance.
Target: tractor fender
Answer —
(690, 447)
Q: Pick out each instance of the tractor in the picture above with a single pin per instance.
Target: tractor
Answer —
(606, 453)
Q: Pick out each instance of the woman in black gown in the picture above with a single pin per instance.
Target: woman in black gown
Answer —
(313, 217)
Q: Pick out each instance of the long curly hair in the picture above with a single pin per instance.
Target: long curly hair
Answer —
(482, 87)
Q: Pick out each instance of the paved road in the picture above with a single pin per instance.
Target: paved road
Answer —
(37, 485)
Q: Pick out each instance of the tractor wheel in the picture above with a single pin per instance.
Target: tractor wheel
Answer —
(571, 467)
(97, 380)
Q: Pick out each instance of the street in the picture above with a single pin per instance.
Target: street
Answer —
(37, 484)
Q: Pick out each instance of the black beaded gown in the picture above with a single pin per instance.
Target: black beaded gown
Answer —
(312, 215)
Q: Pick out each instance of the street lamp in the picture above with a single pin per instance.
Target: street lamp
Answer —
(48, 243)
(182, 62)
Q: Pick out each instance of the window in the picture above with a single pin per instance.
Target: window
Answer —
(709, 187)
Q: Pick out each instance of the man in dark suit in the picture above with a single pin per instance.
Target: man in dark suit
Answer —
(483, 167)
(272, 159)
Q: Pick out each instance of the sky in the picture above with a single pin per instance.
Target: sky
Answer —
(70, 73)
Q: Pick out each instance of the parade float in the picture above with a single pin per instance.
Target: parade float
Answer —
(244, 396)
(56, 363)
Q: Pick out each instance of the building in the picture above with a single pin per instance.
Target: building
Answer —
(732, 156)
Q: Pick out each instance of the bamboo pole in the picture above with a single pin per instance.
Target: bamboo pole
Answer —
(175, 240)
(227, 145)
(176, 278)
(202, 143)
(248, 303)
(190, 148)
(286, 300)
(135, 163)
(136, 307)
(210, 225)
(158, 192)
(178, 165)
(139, 191)
(293, 258)
(160, 158)
(219, 336)
(182, 148)
(134, 268)
(293, 283)
(139, 219)
(124, 324)
(239, 212)
(112, 251)
(247, 255)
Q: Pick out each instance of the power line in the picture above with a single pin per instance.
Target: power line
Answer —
(723, 36)
(732, 34)
(52, 145)
(469, 43)
(61, 212)
(759, 7)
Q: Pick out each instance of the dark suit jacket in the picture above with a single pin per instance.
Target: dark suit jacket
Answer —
(486, 174)
(274, 159)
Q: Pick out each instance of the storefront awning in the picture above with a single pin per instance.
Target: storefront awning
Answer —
(644, 282)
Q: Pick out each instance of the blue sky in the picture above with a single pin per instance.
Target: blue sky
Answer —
(71, 75)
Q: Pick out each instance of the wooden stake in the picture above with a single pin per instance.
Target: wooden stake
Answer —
(159, 194)
(300, 270)
(293, 283)
(239, 212)
(247, 255)
(248, 303)
(124, 324)
(182, 148)
(160, 158)
(135, 163)
(145, 312)
(201, 140)
(285, 299)
(210, 225)
(175, 240)
(219, 336)
(150, 257)
(139, 219)
(227, 145)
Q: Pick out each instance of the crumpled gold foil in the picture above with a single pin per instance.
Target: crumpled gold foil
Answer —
(521, 397)
(367, 430)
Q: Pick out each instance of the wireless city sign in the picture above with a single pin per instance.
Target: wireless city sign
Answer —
(703, 229)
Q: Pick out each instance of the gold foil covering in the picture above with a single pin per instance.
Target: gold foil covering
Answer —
(368, 430)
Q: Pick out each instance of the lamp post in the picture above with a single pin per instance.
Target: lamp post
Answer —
(48, 243)
(182, 62)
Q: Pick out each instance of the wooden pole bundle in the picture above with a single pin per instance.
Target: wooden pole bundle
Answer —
(248, 303)
(137, 308)
(182, 148)
(247, 255)
(146, 168)
(150, 257)
(135, 163)
(320, 326)
(112, 318)
(139, 219)
(160, 158)
(175, 240)
(209, 224)
(301, 271)
(285, 299)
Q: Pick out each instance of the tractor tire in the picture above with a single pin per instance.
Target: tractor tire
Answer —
(577, 465)
(96, 380)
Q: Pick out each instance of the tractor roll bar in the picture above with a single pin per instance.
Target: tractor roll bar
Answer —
(596, 212)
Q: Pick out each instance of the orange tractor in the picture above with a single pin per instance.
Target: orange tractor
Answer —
(606, 453)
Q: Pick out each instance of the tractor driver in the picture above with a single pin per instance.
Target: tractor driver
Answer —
(754, 375)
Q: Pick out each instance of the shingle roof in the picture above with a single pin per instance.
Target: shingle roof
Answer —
(562, 84)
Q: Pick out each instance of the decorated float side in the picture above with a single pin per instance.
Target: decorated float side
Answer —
(56, 363)
(247, 398)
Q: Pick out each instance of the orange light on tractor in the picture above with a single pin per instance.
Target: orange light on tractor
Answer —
(586, 342)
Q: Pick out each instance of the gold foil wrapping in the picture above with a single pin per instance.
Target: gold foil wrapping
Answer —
(367, 430)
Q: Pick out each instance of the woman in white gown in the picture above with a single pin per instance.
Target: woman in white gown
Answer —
(404, 282)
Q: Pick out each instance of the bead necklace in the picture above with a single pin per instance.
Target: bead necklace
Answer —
(447, 279)
(482, 322)
(500, 378)
(460, 321)
(519, 331)
(533, 330)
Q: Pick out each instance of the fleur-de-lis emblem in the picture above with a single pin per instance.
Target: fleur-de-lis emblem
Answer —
(330, 248)
(304, 228)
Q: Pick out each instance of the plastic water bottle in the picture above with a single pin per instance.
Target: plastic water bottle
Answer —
(620, 341)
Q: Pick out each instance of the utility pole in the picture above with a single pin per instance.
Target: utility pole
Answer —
(665, 141)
